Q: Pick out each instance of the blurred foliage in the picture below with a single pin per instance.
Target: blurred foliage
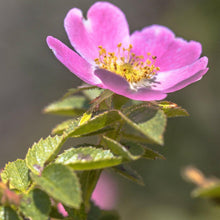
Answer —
(34, 186)
(206, 187)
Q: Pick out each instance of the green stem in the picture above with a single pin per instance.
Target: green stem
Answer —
(88, 180)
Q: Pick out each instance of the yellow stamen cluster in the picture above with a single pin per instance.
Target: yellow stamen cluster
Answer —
(126, 64)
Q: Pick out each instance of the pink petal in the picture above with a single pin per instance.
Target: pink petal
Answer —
(62, 210)
(188, 81)
(154, 39)
(120, 86)
(171, 52)
(105, 193)
(166, 81)
(106, 26)
(179, 53)
(73, 61)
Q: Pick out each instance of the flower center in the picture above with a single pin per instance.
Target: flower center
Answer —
(126, 64)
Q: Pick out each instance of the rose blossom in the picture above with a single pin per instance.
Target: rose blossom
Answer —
(105, 193)
(145, 65)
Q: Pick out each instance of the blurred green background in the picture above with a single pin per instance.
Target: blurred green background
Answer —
(31, 77)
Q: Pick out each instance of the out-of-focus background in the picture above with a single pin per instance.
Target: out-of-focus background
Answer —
(30, 78)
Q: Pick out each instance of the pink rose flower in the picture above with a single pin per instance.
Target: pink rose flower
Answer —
(105, 193)
(145, 65)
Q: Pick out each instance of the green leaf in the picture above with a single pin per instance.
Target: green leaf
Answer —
(42, 152)
(61, 183)
(88, 181)
(211, 191)
(60, 128)
(96, 123)
(148, 120)
(92, 93)
(119, 101)
(134, 137)
(138, 149)
(172, 110)
(35, 205)
(16, 173)
(70, 106)
(73, 91)
(127, 172)
(104, 96)
(151, 154)
(7, 213)
(149, 123)
(121, 150)
(88, 158)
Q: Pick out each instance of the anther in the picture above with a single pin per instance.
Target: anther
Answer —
(126, 64)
